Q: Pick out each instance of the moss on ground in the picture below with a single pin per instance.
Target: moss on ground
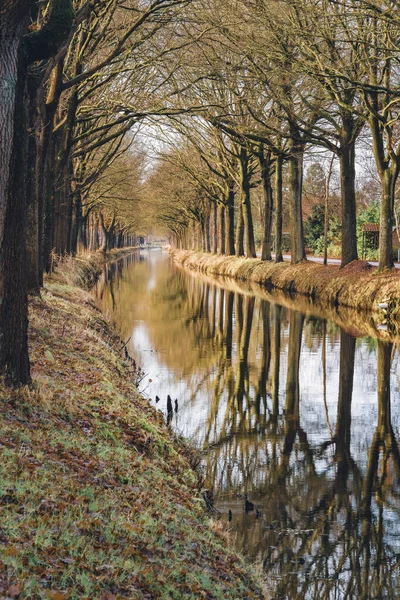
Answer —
(98, 498)
(357, 286)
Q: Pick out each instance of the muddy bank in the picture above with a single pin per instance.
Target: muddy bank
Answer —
(98, 497)
(358, 287)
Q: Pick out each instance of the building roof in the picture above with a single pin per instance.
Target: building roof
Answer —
(370, 227)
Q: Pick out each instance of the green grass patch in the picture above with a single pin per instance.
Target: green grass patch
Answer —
(98, 498)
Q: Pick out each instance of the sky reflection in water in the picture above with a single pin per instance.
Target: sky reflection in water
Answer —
(292, 411)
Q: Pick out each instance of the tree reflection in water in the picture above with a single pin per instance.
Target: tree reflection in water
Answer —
(283, 426)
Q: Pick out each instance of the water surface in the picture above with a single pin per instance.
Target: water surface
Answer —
(293, 413)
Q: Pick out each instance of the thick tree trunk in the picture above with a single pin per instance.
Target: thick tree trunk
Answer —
(348, 197)
(104, 240)
(246, 203)
(240, 231)
(14, 360)
(265, 166)
(295, 201)
(230, 221)
(388, 183)
(76, 223)
(278, 209)
(215, 228)
(222, 239)
(82, 233)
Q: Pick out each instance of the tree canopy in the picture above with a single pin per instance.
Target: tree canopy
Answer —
(195, 118)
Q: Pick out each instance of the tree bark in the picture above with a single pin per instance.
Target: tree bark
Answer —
(230, 221)
(278, 209)
(215, 228)
(222, 238)
(388, 182)
(14, 359)
(265, 167)
(240, 232)
(295, 202)
(246, 204)
(348, 197)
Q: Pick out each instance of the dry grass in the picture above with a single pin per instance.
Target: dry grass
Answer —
(348, 296)
(98, 498)
(82, 271)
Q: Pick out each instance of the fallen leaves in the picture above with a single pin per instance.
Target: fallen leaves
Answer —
(97, 497)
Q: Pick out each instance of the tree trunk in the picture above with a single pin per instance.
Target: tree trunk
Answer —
(215, 228)
(240, 231)
(265, 166)
(278, 209)
(295, 201)
(77, 223)
(245, 200)
(230, 221)
(104, 242)
(348, 197)
(14, 360)
(222, 238)
(388, 183)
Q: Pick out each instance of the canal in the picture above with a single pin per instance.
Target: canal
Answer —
(298, 420)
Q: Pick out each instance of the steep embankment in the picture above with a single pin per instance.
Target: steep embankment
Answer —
(98, 498)
(357, 286)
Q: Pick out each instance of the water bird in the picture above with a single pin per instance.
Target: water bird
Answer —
(230, 515)
(157, 399)
(248, 506)
(176, 404)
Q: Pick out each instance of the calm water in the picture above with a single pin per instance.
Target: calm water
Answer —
(290, 410)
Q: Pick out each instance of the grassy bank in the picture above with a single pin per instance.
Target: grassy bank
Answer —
(357, 286)
(83, 271)
(98, 498)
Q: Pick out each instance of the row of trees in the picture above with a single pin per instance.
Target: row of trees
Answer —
(278, 81)
(77, 77)
(241, 92)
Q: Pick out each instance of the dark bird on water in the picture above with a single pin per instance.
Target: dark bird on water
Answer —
(157, 399)
(248, 506)
(230, 515)
(176, 404)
